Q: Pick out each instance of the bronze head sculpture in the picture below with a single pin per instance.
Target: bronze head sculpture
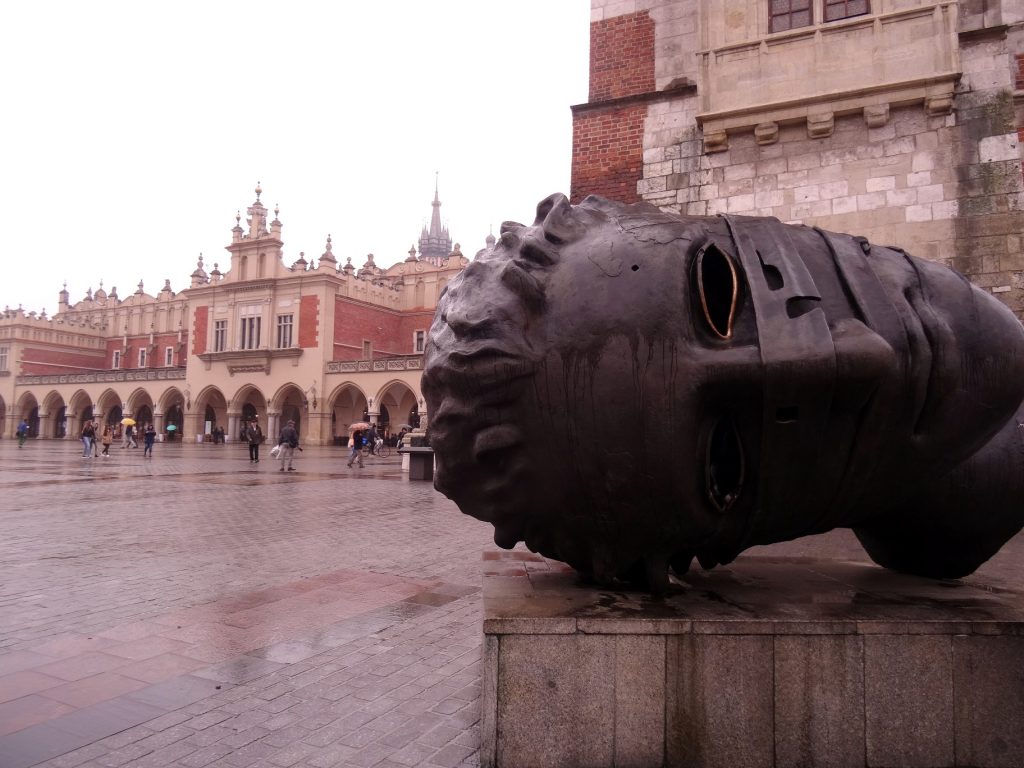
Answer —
(626, 390)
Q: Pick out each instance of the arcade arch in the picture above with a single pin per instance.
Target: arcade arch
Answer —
(348, 404)
(170, 412)
(289, 403)
(211, 410)
(79, 410)
(53, 418)
(28, 409)
(140, 407)
(108, 407)
(396, 406)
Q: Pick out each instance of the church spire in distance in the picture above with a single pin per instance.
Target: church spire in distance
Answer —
(435, 243)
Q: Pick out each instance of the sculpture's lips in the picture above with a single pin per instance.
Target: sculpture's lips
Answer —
(483, 365)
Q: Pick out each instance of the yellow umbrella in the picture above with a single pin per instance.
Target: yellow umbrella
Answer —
(128, 422)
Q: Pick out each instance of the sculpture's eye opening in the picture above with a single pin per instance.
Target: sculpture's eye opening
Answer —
(719, 288)
(723, 474)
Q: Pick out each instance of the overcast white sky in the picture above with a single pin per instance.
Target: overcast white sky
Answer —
(131, 132)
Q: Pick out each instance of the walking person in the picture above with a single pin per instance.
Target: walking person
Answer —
(22, 433)
(88, 435)
(129, 437)
(107, 438)
(356, 444)
(371, 439)
(288, 441)
(254, 435)
(149, 437)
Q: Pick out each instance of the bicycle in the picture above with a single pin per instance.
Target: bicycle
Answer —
(382, 450)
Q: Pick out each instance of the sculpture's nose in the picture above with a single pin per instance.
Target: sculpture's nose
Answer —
(463, 317)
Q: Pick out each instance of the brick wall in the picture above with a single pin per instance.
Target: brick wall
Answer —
(309, 321)
(621, 56)
(355, 323)
(49, 360)
(200, 327)
(607, 151)
(607, 144)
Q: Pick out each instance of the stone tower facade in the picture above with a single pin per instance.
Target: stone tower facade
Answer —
(898, 120)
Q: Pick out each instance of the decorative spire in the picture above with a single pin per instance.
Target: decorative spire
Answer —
(328, 254)
(257, 216)
(199, 276)
(435, 243)
(348, 268)
(412, 254)
(139, 289)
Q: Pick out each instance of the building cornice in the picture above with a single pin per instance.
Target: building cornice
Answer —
(250, 360)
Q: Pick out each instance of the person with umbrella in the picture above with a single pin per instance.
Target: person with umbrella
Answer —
(355, 442)
(129, 434)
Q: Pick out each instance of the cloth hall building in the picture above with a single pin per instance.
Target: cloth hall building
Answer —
(324, 344)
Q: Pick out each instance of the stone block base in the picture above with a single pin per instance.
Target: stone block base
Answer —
(767, 662)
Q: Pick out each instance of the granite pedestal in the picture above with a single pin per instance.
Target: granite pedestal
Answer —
(766, 662)
(421, 462)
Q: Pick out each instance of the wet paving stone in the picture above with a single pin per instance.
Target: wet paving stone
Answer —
(203, 602)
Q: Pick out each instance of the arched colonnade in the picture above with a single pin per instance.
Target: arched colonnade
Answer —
(58, 412)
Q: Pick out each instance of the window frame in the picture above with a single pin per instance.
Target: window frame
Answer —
(220, 335)
(115, 360)
(5, 353)
(819, 12)
(250, 326)
(827, 4)
(788, 15)
(419, 341)
(142, 357)
(168, 357)
(285, 328)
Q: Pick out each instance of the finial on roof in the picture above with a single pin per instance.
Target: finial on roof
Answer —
(277, 210)
(238, 218)
(139, 290)
(328, 254)
(259, 191)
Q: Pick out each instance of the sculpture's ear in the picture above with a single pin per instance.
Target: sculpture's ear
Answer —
(558, 219)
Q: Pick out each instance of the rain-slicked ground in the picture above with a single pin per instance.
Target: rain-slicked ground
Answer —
(195, 609)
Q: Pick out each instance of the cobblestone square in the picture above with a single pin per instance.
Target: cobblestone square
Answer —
(194, 609)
